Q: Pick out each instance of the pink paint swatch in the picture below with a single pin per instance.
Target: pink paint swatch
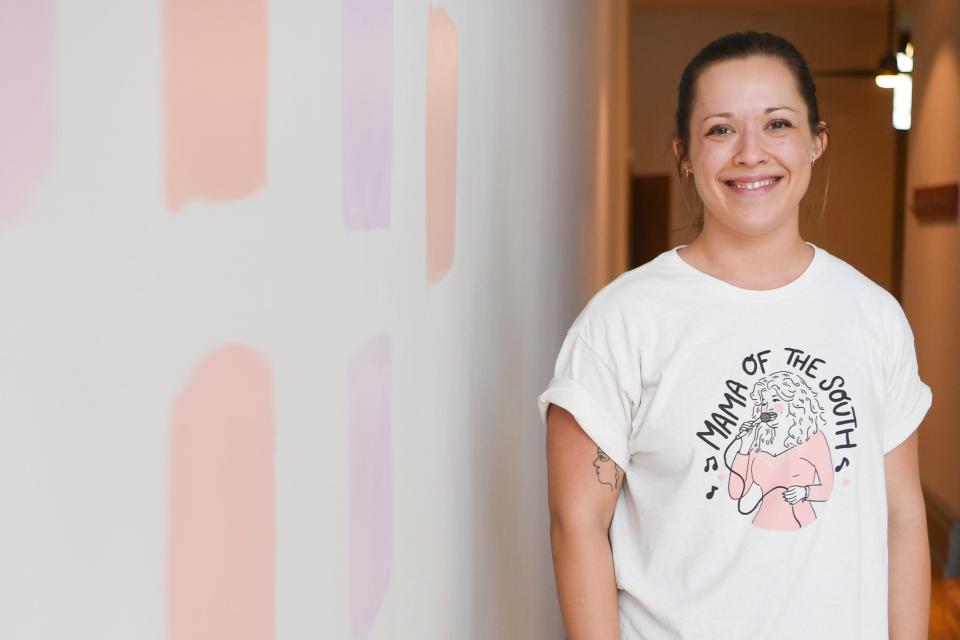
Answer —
(370, 480)
(215, 74)
(443, 86)
(26, 101)
(367, 113)
(222, 537)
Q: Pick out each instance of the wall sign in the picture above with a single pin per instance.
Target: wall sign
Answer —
(936, 202)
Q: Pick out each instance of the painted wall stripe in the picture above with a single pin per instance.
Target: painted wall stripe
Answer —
(370, 478)
(27, 126)
(222, 535)
(367, 113)
(215, 93)
(443, 85)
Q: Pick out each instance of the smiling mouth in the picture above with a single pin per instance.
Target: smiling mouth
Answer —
(756, 186)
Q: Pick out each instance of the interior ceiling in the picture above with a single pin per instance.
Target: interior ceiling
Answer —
(760, 5)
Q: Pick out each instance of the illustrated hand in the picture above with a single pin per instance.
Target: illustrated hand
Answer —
(795, 494)
(747, 436)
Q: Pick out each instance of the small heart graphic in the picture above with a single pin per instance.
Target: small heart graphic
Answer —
(722, 476)
(846, 482)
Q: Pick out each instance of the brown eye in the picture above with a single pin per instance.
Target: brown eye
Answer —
(719, 129)
(780, 124)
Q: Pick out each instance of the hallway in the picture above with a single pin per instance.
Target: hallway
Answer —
(944, 607)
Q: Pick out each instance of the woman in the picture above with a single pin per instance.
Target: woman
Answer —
(655, 375)
(782, 449)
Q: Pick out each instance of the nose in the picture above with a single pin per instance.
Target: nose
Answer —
(750, 149)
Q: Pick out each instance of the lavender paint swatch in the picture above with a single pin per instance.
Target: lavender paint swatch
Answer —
(370, 478)
(367, 113)
(26, 102)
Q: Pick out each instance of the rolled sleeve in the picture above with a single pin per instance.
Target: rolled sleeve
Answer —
(908, 398)
(587, 386)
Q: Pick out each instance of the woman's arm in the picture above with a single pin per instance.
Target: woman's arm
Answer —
(581, 508)
(908, 546)
(741, 476)
(741, 479)
(820, 459)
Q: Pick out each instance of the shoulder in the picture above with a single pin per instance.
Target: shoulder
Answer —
(628, 299)
(877, 306)
(620, 320)
(855, 282)
(816, 442)
(819, 438)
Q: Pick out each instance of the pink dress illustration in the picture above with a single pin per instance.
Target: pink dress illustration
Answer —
(783, 451)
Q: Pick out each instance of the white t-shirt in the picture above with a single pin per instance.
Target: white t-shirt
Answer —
(665, 366)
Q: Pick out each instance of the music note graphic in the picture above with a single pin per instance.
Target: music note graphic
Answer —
(709, 460)
(713, 489)
(843, 463)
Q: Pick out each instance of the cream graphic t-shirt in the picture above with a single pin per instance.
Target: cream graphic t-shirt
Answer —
(780, 533)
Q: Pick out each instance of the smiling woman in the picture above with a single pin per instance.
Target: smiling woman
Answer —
(644, 543)
(750, 124)
(752, 163)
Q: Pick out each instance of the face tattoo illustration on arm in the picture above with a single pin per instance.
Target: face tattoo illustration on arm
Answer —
(607, 472)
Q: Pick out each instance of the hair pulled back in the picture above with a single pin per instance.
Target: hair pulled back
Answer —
(734, 46)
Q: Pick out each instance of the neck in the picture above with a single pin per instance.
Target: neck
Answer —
(750, 262)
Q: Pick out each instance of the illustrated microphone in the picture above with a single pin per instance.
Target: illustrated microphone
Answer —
(765, 416)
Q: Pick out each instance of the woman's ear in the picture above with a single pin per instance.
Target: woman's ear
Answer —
(678, 153)
(821, 140)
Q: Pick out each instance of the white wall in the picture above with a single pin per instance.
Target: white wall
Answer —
(111, 300)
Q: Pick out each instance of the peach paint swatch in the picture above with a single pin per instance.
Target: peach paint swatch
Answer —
(370, 480)
(367, 113)
(26, 101)
(215, 75)
(443, 83)
(222, 538)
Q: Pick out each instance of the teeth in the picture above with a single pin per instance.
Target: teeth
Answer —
(754, 185)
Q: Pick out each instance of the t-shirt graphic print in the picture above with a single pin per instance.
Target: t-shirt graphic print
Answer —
(779, 461)
(751, 428)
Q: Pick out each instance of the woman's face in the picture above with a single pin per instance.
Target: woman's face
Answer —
(751, 145)
(771, 402)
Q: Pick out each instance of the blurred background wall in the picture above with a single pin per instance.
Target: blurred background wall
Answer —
(282, 281)
(931, 291)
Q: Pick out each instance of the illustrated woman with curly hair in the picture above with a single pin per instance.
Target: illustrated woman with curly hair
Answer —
(782, 450)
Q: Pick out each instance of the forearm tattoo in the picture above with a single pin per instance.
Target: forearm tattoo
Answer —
(608, 472)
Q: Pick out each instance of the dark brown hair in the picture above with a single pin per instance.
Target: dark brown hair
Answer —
(735, 46)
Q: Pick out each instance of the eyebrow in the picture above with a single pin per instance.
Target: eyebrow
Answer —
(727, 114)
